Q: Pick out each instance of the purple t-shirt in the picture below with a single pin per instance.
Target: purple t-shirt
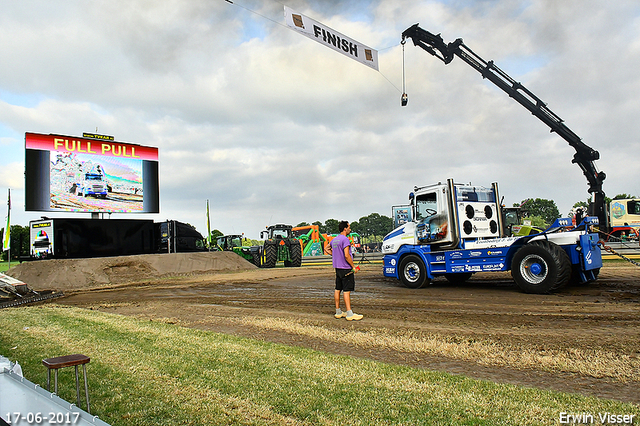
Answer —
(337, 249)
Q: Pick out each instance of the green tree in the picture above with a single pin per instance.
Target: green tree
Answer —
(301, 224)
(546, 209)
(374, 226)
(19, 242)
(355, 227)
(538, 221)
(215, 234)
(624, 196)
(331, 226)
(320, 226)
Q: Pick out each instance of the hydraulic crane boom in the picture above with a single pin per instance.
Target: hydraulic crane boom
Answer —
(584, 156)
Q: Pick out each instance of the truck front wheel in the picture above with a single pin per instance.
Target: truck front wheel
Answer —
(413, 273)
(541, 267)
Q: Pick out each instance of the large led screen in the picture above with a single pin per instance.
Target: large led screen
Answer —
(68, 173)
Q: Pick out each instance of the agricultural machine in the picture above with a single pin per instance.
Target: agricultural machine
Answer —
(280, 245)
(234, 243)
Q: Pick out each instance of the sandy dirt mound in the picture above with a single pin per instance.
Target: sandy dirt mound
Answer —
(80, 274)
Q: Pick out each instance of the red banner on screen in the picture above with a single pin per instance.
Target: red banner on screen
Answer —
(89, 146)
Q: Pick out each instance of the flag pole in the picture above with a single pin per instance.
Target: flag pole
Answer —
(208, 227)
(6, 241)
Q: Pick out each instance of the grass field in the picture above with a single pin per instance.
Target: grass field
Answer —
(155, 373)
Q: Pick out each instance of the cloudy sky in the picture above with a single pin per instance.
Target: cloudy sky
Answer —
(271, 126)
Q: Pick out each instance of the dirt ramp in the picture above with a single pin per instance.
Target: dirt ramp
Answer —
(80, 274)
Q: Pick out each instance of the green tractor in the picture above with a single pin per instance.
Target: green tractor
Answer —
(234, 243)
(280, 245)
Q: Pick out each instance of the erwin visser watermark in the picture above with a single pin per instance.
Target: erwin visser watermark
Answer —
(596, 419)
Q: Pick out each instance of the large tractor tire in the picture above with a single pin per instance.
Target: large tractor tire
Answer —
(256, 259)
(295, 254)
(541, 267)
(413, 273)
(270, 256)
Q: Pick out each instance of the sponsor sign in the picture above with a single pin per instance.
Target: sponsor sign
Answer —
(331, 38)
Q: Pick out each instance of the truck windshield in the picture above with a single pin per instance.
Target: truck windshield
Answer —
(426, 205)
(475, 193)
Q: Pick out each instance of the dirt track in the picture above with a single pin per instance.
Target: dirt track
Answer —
(295, 306)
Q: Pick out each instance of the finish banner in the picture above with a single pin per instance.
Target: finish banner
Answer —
(330, 38)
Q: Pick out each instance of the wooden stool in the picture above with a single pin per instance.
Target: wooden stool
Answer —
(68, 361)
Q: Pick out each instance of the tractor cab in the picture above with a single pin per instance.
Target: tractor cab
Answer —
(228, 242)
(279, 231)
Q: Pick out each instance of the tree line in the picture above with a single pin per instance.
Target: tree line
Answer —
(543, 212)
(372, 228)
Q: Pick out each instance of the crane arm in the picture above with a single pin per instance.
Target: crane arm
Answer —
(584, 156)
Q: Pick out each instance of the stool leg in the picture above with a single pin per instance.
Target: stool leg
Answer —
(49, 379)
(86, 387)
(77, 387)
(55, 381)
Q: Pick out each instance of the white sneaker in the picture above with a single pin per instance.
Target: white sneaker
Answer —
(341, 315)
(354, 317)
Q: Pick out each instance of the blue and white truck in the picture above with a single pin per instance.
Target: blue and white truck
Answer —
(456, 230)
(92, 184)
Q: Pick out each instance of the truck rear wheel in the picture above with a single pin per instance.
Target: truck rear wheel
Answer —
(541, 267)
(413, 273)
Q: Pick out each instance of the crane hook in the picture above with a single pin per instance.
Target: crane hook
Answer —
(405, 98)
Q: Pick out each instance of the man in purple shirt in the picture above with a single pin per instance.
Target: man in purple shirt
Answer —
(340, 251)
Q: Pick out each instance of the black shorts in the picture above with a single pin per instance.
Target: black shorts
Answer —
(345, 280)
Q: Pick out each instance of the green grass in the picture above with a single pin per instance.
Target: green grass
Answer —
(154, 373)
(5, 265)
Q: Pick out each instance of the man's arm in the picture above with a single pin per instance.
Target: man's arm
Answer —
(347, 256)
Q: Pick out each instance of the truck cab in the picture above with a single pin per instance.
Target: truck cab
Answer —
(446, 215)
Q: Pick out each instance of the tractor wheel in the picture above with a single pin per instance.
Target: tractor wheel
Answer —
(541, 267)
(413, 273)
(295, 254)
(256, 259)
(270, 256)
(458, 279)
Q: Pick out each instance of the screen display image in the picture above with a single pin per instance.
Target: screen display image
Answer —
(65, 173)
